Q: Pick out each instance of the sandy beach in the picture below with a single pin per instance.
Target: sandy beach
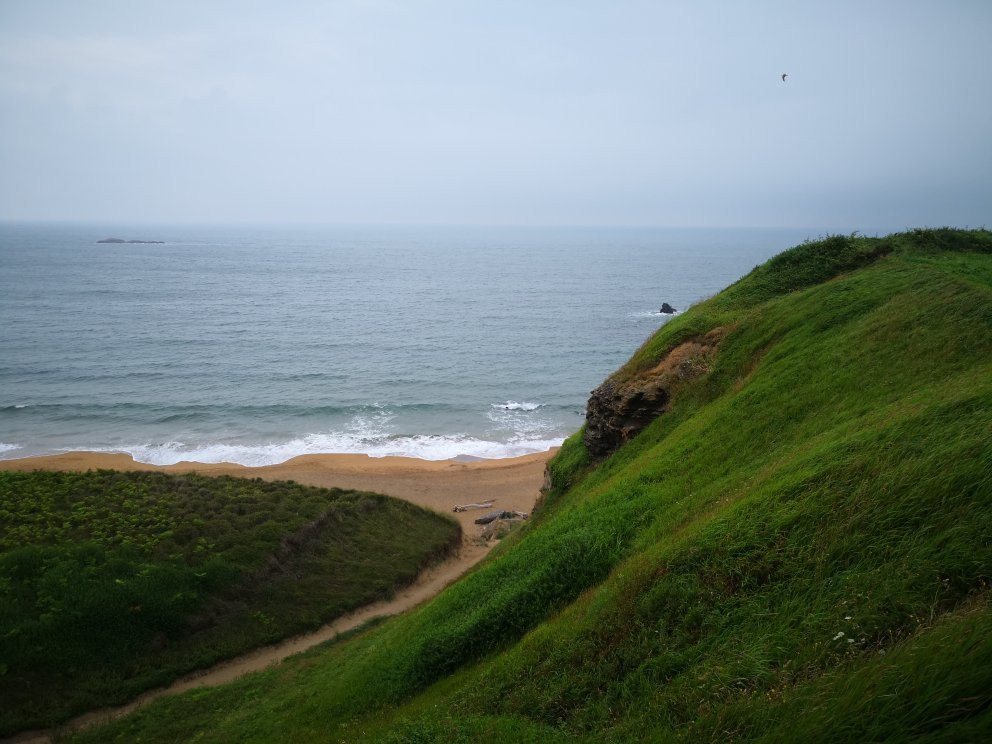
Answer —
(512, 484)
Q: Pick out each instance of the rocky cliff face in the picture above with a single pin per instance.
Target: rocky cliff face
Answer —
(618, 411)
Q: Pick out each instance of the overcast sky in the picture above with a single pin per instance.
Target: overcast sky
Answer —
(552, 113)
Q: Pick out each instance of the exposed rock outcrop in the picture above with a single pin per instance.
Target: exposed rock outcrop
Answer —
(667, 309)
(615, 413)
(618, 411)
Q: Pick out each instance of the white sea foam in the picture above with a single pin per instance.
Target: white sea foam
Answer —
(512, 405)
(516, 431)
(522, 423)
(4, 447)
(423, 446)
(653, 314)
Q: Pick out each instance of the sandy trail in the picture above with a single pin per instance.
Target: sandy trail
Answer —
(513, 484)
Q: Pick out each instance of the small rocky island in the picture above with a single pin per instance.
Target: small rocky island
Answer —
(667, 309)
(121, 240)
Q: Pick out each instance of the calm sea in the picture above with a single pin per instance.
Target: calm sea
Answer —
(254, 345)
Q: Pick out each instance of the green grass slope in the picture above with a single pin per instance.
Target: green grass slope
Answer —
(111, 583)
(798, 549)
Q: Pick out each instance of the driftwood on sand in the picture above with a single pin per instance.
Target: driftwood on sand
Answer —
(466, 507)
(493, 516)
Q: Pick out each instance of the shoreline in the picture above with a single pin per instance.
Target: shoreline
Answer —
(512, 483)
(278, 449)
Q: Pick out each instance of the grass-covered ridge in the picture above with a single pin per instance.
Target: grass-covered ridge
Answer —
(798, 549)
(111, 582)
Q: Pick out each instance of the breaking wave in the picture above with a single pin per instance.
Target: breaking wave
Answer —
(512, 405)
(653, 314)
(421, 446)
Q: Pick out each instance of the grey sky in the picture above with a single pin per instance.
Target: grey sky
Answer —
(611, 113)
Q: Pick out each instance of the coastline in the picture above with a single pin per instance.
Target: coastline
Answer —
(512, 483)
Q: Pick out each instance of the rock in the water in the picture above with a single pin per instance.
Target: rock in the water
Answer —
(667, 309)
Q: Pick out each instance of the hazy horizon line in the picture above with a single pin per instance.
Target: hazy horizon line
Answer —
(111, 222)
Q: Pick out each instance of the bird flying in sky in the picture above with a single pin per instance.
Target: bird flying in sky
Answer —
(784, 76)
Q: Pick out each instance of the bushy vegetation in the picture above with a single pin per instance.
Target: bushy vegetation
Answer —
(111, 582)
(798, 550)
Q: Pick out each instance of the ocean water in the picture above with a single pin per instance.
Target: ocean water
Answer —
(254, 345)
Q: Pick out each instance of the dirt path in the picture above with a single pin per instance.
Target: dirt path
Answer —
(513, 484)
(427, 585)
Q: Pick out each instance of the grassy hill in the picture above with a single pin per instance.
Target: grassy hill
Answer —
(111, 583)
(798, 548)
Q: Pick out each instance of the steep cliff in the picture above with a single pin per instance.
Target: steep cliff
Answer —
(618, 410)
(775, 527)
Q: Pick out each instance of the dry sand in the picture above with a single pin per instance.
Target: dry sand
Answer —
(513, 484)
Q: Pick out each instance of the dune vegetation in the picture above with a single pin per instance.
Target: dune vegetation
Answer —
(111, 583)
(796, 549)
